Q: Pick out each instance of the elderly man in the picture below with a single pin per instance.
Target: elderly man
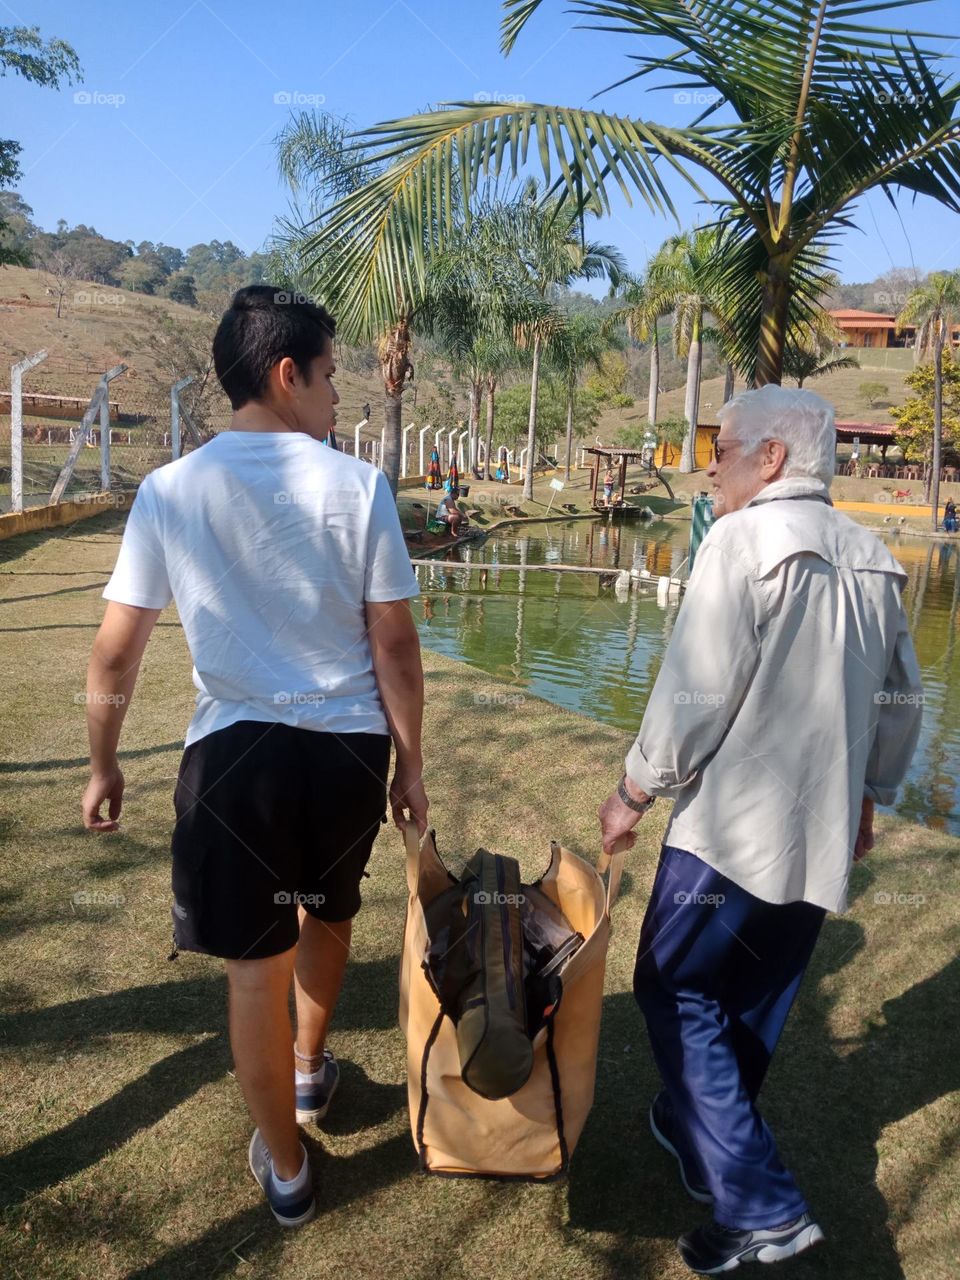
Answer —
(787, 706)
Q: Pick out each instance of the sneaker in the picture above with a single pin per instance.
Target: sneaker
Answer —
(313, 1097)
(664, 1127)
(289, 1211)
(713, 1249)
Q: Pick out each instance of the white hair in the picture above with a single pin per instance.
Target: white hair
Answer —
(801, 419)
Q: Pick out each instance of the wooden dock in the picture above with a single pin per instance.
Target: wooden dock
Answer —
(608, 575)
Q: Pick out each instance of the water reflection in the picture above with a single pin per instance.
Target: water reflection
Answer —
(563, 638)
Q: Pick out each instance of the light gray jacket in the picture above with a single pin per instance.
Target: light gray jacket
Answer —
(789, 690)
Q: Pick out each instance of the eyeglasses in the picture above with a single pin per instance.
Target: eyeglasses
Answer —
(719, 450)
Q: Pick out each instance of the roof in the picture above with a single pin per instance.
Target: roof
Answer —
(852, 314)
(613, 451)
(872, 432)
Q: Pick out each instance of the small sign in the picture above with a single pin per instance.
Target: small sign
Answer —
(557, 484)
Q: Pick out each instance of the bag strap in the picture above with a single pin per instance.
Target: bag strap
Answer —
(411, 841)
(611, 864)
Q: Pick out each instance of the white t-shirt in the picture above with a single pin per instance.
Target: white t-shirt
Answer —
(269, 543)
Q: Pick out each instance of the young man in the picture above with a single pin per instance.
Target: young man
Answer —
(288, 568)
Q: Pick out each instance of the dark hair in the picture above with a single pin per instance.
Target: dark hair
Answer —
(265, 324)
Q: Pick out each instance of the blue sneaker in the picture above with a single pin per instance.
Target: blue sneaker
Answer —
(664, 1127)
(313, 1099)
(289, 1211)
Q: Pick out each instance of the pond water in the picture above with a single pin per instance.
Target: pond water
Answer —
(563, 638)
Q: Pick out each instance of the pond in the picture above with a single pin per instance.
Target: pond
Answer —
(563, 638)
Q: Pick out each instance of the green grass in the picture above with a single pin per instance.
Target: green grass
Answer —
(123, 1133)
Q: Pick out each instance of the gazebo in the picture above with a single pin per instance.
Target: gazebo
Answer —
(610, 457)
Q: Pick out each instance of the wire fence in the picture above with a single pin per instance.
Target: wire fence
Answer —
(92, 434)
(74, 446)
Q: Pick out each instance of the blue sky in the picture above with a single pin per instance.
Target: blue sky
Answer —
(176, 143)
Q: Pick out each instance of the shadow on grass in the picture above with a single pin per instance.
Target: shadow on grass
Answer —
(78, 762)
(828, 1109)
(252, 1232)
(195, 1006)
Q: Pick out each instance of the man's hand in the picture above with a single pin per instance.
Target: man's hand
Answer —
(864, 842)
(103, 787)
(407, 793)
(617, 819)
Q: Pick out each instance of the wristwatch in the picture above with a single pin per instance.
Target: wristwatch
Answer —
(638, 806)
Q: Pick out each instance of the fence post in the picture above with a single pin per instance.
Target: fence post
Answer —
(403, 455)
(175, 416)
(93, 408)
(423, 432)
(105, 444)
(16, 427)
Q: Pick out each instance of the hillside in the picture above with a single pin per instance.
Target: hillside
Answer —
(102, 326)
(840, 388)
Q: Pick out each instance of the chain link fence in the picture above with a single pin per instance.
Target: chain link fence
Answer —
(63, 422)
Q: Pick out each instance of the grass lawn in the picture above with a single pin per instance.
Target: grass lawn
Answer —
(123, 1133)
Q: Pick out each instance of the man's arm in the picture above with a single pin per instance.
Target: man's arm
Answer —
(111, 676)
(395, 647)
(707, 668)
(898, 729)
(898, 723)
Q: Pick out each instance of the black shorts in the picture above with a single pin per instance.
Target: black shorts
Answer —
(271, 817)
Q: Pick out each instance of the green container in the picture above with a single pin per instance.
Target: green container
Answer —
(701, 513)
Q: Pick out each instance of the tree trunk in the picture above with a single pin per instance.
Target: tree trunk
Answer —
(488, 439)
(691, 403)
(654, 380)
(394, 352)
(532, 426)
(571, 394)
(773, 324)
(476, 393)
(937, 425)
(728, 384)
(393, 419)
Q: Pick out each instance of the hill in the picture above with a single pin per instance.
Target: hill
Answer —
(102, 326)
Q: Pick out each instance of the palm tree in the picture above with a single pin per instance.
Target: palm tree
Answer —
(804, 363)
(546, 238)
(818, 109)
(379, 305)
(934, 308)
(689, 272)
(580, 343)
(643, 300)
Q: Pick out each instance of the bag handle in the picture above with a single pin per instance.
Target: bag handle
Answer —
(411, 841)
(612, 864)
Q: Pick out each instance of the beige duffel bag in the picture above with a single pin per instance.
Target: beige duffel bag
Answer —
(533, 1132)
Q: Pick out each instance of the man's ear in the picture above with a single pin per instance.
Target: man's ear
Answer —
(284, 377)
(776, 456)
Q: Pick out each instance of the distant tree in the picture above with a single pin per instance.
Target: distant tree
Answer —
(49, 63)
(874, 393)
(513, 412)
(17, 229)
(915, 419)
(803, 362)
(608, 382)
(181, 287)
(141, 274)
(183, 348)
(60, 269)
(933, 308)
(93, 256)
